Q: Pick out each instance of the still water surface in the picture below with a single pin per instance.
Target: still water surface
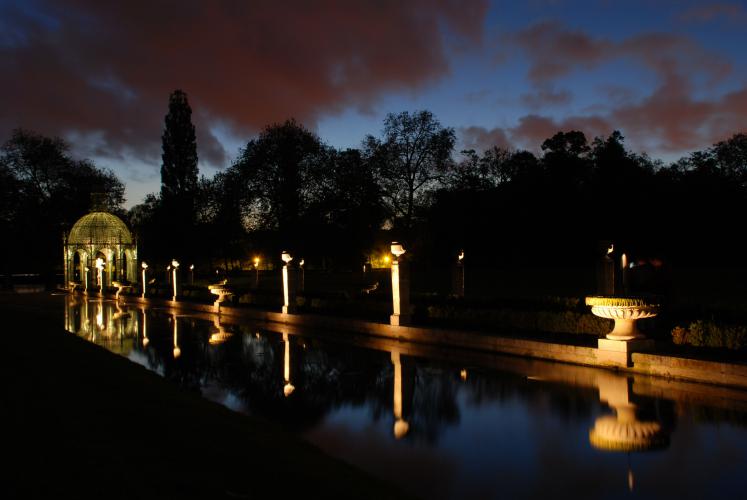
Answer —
(443, 423)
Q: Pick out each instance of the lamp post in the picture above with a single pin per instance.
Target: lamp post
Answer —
(191, 274)
(168, 274)
(85, 280)
(303, 274)
(286, 257)
(256, 272)
(144, 266)
(400, 289)
(175, 266)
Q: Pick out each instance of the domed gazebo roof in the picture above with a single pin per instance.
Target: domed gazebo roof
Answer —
(99, 228)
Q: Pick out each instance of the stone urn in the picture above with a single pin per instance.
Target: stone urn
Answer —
(625, 311)
(222, 290)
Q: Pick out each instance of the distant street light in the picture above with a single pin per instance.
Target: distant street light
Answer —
(192, 274)
(85, 280)
(144, 266)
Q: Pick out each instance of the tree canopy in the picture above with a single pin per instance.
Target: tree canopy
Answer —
(44, 192)
(412, 157)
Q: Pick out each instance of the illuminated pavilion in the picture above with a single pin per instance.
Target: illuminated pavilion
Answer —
(100, 235)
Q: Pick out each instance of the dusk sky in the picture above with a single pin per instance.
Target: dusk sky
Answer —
(670, 75)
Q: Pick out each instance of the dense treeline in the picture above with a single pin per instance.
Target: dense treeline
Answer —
(287, 189)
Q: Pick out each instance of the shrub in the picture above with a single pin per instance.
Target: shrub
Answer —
(679, 335)
(709, 334)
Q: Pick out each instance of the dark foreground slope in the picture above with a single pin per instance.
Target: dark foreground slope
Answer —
(80, 422)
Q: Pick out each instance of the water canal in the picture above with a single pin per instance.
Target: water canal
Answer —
(443, 423)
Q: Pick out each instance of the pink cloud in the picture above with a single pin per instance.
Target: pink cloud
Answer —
(106, 69)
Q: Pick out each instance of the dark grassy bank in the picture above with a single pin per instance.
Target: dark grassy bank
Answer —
(81, 422)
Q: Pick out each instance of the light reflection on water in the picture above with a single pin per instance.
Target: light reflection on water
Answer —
(444, 424)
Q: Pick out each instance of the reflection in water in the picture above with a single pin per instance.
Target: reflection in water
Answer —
(288, 387)
(454, 433)
(625, 432)
(221, 335)
(175, 323)
(145, 328)
(101, 322)
(402, 389)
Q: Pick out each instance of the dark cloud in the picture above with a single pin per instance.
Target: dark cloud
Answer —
(481, 138)
(554, 50)
(670, 119)
(731, 12)
(104, 70)
(544, 97)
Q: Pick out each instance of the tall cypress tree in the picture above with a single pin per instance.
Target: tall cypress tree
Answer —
(179, 167)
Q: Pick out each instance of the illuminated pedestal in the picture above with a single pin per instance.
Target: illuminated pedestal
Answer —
(400, 288)
(289, 285)
(625, 338)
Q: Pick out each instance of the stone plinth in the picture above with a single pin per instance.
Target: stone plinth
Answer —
(619, 352)
(399, 320)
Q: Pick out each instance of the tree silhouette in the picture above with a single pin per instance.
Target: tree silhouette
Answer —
(44, 191)
(413, 155)
(281, 171)
(179, 167)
